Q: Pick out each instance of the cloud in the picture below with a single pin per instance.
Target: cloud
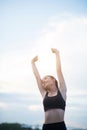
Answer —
(35, 107)
(68, 35)
(3, 105)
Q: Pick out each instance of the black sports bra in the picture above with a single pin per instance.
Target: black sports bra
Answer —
(54, 102)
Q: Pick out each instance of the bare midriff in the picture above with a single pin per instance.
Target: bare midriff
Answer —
(54, 116)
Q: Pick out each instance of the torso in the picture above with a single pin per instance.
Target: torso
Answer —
(54, 115)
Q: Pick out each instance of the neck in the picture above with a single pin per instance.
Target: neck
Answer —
(53, 90)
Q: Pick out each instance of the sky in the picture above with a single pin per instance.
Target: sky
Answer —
(30, 28)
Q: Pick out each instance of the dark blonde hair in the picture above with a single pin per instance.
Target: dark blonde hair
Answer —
(52, 77)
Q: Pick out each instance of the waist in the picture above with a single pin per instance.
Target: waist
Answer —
(54, 115)
(56, 126)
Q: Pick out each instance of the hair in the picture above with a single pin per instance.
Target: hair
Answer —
(52, 77)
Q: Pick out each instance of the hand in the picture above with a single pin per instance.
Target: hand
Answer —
(35, 59)
(54, 50)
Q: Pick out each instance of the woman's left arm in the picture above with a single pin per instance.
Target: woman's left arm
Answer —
(62, 84)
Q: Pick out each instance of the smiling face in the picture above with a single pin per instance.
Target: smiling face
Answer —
(48, 82)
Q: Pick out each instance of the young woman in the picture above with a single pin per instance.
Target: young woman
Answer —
(54, 95)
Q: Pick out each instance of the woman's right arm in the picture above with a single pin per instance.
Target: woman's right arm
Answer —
(37, 76)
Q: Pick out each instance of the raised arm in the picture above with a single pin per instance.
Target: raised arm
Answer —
(37, 75)
(62, 84)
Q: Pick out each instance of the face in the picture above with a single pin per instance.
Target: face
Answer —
(47, 82)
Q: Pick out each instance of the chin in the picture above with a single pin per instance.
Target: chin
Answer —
(47, 88)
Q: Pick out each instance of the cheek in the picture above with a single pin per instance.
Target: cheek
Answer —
(43, 84)
(44, 87)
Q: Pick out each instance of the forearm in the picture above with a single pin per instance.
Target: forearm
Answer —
(35, 71)
(58, 68)
(37, 75)
(59, 71)
(58, 63)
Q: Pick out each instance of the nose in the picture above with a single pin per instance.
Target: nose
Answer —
(44, 81)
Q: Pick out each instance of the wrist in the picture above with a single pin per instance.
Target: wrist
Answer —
(32, 61)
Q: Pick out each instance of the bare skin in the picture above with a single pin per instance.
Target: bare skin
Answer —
(47, 84)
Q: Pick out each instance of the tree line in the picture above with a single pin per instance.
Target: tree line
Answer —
(15, 126)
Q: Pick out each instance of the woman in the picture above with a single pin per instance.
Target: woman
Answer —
(54, 95)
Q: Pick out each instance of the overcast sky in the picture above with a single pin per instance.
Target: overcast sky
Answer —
(30, 28)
